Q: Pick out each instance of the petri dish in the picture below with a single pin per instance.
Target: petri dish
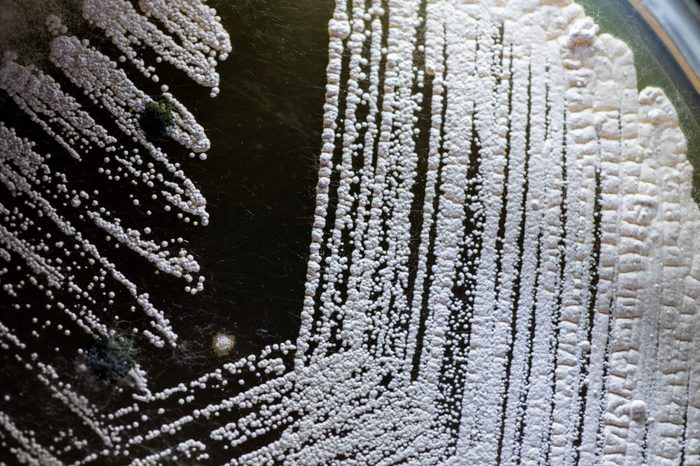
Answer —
(229, 389)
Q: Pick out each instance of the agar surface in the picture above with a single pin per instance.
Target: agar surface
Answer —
(502, 263)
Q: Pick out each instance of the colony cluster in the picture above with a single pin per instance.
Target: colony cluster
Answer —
(502, 266)
(502, 262)
(60, 238)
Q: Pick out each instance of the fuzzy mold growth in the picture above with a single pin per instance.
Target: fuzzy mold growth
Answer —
(156, 118)
(111, 358)
(223, 344)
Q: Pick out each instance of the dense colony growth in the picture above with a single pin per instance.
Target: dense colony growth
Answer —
(502, 263)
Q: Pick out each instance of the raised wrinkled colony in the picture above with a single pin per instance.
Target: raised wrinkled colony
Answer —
(502, 264)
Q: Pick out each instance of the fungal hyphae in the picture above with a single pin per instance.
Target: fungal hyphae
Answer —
(223, 343)
(110, 358)
(502, 261)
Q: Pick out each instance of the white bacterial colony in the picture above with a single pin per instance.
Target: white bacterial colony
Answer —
(502, 266)
(128, 28)
(60, 258)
